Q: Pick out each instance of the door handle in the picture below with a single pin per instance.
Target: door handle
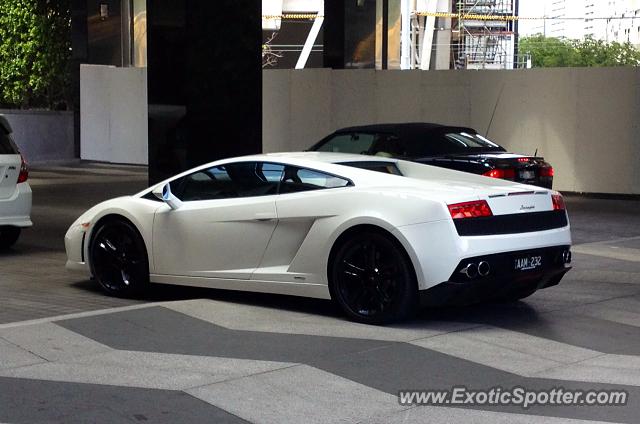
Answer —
(263, 217)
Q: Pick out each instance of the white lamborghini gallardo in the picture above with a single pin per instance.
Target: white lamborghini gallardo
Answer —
(379, 236)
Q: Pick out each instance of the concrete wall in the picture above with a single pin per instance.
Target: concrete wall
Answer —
(42, 135)
(114, 123)
(584, 121)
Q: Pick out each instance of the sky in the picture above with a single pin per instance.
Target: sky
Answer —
(530, 8)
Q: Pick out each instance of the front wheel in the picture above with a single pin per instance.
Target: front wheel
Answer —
(372, 279)
(9, 236)
(118, 259)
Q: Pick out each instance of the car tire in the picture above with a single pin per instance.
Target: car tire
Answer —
(118, 259)
(9, 236)
(372, 279)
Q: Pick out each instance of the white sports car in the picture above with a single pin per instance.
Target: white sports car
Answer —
(380, 236)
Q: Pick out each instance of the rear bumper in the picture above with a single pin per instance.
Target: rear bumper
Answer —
(436, 249)
(502, 281)
(15, 211)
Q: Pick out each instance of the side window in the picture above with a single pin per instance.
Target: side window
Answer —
(349, 143)
(244, 179)
(387, 145)
(300, 179)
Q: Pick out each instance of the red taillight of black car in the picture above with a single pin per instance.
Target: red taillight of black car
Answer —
(24, 171)
(503, 173)
(546, 171)
(475, 209)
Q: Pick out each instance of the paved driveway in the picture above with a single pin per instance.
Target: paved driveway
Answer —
(70, 354)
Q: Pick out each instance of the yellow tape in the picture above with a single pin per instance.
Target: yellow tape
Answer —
(435, 14)
(293, 16)
(468, 16)
(476, 17)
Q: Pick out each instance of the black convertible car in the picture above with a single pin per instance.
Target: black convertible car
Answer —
(457, 148)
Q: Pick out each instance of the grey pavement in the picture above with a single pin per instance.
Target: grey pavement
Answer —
(70, 354)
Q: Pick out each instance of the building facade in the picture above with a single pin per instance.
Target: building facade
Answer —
(607, 20)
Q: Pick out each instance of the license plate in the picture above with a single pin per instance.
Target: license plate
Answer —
(527, 263)
(527, 175)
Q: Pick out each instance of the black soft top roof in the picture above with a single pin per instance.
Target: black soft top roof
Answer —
(406, 130)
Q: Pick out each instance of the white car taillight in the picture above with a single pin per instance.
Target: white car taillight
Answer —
(475, 209)
(24, 171)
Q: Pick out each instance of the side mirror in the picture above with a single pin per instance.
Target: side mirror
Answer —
(164, 193)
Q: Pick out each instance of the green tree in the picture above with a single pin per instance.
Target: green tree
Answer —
(555, 52)
(547, 52)
(590, 52)
(34, 52)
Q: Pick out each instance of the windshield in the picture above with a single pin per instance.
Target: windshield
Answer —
(379, 144)
(348, 143)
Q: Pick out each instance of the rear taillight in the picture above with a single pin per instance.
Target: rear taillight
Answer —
(504, 173)
(558, 202)
(24, 171)
(547, 171)
(475, 209)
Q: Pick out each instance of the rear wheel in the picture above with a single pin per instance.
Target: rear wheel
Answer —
(9, 236)
(119, 259)
(372, 279)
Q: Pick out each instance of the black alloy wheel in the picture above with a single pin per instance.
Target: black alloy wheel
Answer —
(118, 259)
(372, 279)
(9, 236)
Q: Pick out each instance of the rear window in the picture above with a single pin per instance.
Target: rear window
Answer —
(461, 142)
(7, 147)
(384, 167)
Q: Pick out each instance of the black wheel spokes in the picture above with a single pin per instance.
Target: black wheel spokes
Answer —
(369, 289)
(352, 270)
(116, 261)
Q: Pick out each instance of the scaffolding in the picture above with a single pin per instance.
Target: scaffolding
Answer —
(483, 44)
(461, 34)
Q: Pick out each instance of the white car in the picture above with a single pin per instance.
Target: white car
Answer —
(377, 235)
(15, 193)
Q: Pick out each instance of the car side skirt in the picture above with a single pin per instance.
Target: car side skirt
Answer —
(318, 291)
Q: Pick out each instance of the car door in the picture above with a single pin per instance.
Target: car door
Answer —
(224, 224)
(306, 196)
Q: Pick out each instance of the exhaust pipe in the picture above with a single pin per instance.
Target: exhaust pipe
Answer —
(566, 256)
(484, 268)
(471, 271)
